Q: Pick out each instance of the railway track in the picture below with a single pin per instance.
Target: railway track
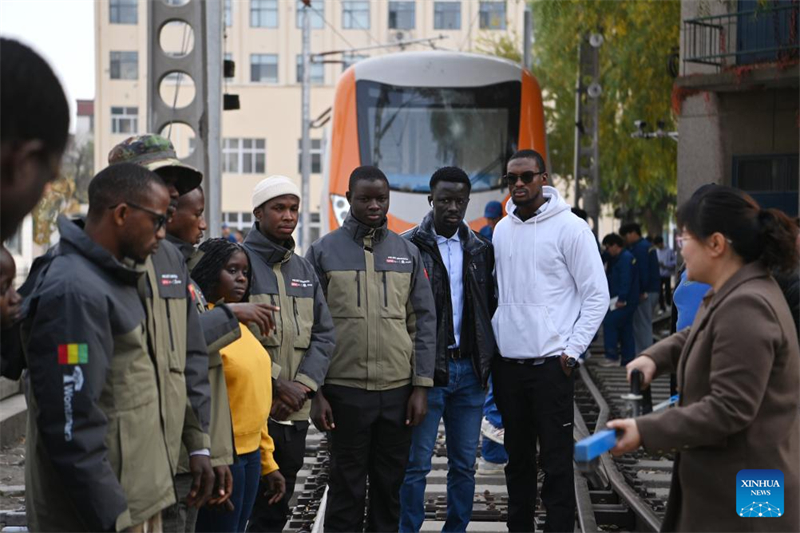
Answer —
(628, 493)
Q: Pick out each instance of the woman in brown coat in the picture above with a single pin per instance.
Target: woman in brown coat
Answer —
(738, 369)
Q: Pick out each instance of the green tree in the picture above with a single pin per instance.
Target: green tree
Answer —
(637, 176)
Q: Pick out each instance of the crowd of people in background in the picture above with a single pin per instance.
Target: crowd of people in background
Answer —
(171, 381)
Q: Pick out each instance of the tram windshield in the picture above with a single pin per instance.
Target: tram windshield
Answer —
(408, 132)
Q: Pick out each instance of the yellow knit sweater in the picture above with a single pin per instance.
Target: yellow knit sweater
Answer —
(248, 374)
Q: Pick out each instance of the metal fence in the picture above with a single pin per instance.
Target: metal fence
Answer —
(765, 34)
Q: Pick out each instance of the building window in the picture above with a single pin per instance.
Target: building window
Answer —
(351, 59)
(123, 11)
(317, 71)
(264, 68)
(316, 156)
(770, 179)
(355, 15)
(493, 15)
(244, 156)
(228, 13)
(317, 14)
(447, 15)
(124, 65)
(402, 15)
(124, 119)
(314, 228)
(241, 221)
(263, 13)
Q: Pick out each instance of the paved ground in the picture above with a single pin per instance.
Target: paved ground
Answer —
(12, 477)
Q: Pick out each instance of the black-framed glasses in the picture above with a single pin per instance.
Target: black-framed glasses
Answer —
(159, 220)
(526, 177)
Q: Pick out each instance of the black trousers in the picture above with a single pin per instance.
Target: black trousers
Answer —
(665, 292)
(536, 402)
(370, 440)
(290, 448)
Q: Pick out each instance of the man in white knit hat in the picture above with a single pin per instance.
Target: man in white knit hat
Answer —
(303, 341)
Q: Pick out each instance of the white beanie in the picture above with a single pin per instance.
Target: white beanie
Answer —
(273, 186)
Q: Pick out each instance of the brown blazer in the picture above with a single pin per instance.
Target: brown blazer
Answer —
(738, 369)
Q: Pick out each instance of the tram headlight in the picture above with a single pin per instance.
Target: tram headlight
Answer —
(340, 207)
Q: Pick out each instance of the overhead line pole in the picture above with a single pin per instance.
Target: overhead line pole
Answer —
(305, 142)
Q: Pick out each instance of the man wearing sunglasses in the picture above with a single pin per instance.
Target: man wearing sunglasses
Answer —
(552, 297)
(178, 338)
(96, 453)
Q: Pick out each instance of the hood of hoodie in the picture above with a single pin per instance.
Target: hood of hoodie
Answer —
(74, 239)
(269, 251)
(358, 230)
(552, 207)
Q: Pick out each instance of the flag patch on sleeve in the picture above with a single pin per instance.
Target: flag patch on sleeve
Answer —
(73, 354)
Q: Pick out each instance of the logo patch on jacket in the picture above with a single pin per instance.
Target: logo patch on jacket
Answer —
(73, 354)
(398, 260)
(304, 283)
(72, 383)
(170, 279)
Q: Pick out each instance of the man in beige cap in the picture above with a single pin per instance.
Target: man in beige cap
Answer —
(303, 341)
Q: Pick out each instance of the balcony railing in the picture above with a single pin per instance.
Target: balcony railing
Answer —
(762, 35)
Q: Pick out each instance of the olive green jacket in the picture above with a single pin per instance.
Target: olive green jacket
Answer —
(304, 340)
(220, 328)
(96, 452)
(177, 339)
(382, 305)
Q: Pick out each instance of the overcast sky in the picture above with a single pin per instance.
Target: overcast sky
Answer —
(62, 31)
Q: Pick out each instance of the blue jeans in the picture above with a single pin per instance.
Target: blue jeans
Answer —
(246, 474)
(490, 450)
(461, 405)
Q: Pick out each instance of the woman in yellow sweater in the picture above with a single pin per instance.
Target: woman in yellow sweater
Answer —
(223, 274)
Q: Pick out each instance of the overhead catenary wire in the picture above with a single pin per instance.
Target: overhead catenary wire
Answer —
(365, 30)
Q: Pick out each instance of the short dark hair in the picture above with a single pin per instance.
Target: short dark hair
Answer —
(530, 154)
(613, 239)
(32, 102)
(120, 183)
(630, 227)
(756, 234)
(658, 239)
(580, 213)
(451, 175)
(368, 173)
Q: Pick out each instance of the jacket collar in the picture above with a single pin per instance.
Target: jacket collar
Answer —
(426, 234)
(269, 251)
(190, 254)
(358, 230)
(749, 271)
(74, 239)
(186, 249)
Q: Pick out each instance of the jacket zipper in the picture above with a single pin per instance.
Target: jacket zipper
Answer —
(296, 322)
(385, 293)
(169, 326)
(358, 286)
(272, 301)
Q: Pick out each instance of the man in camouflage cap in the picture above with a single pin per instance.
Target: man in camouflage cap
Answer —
(178, 341)
(156, 153)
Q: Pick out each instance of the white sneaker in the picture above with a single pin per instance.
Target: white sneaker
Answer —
(608, 363)
(492, 432)
(487, 468)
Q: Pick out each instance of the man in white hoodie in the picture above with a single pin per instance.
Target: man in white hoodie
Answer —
(552, 297)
